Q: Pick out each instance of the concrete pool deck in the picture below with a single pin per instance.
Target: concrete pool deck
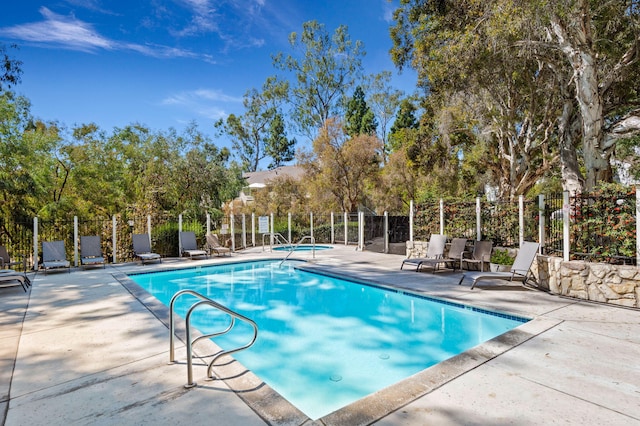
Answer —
(81, 348)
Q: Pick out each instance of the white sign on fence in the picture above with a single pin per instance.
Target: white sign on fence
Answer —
(263, 225)
(224, 229)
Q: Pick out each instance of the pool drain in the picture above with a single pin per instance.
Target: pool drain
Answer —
(336, 378)
(383, 356)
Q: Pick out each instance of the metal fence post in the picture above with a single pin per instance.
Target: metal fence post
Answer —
(565, 226)
(333, 235)
(478, 219)
(35, 243)
(289, 216)
(411, 220)
(541, 222)
(637, 227)
(346, 229)
(253, 229)
(114, 239)
(361, 231)
(233, 236)
(311, 224)
(208, 223)
(149, 228)
(441, 216)
(244, 231)
(520, 220)
(272, 228)
(386, 232)
(75, 241)
(179, 239)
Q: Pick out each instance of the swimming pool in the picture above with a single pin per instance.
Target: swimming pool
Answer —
(302, 247)
(344, 340)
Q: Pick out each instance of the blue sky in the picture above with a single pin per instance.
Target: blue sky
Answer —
(165, 63)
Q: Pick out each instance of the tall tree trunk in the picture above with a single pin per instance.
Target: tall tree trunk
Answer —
(576, 45)
(596, 158)
(572, 180)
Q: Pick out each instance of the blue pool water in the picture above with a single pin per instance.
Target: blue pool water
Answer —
(325, 342)
(301, 248)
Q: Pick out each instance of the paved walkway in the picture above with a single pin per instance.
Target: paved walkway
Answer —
(89, 352)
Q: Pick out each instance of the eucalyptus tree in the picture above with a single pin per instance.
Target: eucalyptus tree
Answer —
(587, 46)
(325, 69)
(260, 132)
(481, 89)
(27, 159)
(600, 42)
(10, 69)
(384, 100)
(203, 178)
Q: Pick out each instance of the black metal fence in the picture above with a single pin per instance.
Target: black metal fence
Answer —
(601, 227)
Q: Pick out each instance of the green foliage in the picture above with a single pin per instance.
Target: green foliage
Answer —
(277, 146)
(10, 69)
(165, 239)
(359, 119)
(343, 166)
(259, 132)
(501, 257)
(604, 222)
(325, 67)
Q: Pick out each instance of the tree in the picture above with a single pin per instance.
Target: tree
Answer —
(405, 120)
(10, 69)
(325, 69)
(26, 161)
(259, 133)
(384, 101)
(343, 166)
(359, 119)
(399, 183)
(588, 46)
(277, 146)
(283, 194)
(600, 42)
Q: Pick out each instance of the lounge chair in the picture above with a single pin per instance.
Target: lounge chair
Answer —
(435, 250)
(91, 251)
(9, 272)
(12, 279)
(479, 257)
(456, 251)
(519, 270)
(142, 248)
(6, 262)
(190, 246)
(54, 256)
(213, 244)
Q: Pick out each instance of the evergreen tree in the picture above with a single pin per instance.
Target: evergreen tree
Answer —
(359, 118)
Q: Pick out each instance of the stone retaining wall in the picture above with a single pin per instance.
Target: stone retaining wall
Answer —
(598, 282)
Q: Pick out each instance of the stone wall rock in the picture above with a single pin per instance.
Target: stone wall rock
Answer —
(598, 282)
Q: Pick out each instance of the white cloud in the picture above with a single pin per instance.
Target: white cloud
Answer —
(59, 30)
(204, 102)
(203, 19)
(71, 33)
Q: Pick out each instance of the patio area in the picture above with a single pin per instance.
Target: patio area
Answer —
(86, 348)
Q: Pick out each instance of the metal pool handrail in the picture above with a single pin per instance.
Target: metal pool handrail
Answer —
(313, 248)
(204, 301)
(276, 236)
